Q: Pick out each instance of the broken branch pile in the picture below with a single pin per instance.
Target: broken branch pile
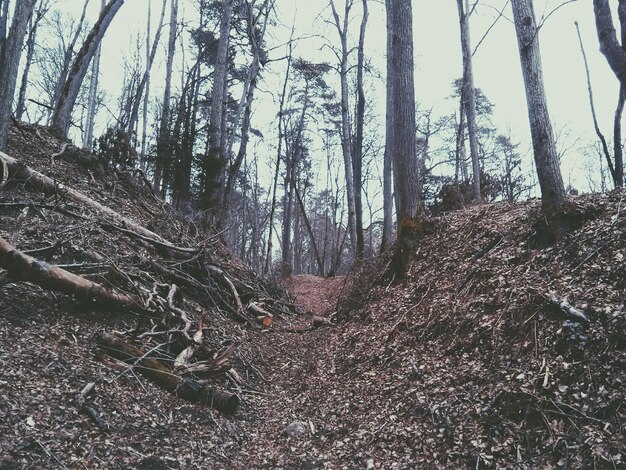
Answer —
(140, 257)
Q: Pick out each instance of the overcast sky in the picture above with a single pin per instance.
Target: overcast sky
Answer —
(437, 59)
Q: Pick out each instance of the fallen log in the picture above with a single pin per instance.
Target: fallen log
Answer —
(21, 267)
(16, 169)
(163, 376)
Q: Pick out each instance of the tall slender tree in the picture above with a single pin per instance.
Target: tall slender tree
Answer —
(346, 132)
(358, 138)
(215, 162)
(544, 145)
(615, 54)
(387, 240)
(9, 63)
(163, 137)
(62, 114)
(469, 93)
(403, 144)
(93, 95)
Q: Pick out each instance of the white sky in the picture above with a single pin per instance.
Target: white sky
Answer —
(437, 59)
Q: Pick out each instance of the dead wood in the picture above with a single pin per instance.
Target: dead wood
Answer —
(564, 305)
(163, 376)
(21, 267)
(187, 353)
(60, 152)
(45, 184)
(89, 409)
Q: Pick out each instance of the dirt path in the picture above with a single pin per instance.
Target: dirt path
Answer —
(314, 294)
(290, 425)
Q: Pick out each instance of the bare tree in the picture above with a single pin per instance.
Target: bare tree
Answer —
(215, 181)
(93, 93)
(64, 106)
(9, 64)
(35, 20)
(163, 134)
(469, 93)
(616, 57)
(358, 139)
(387, 241)
(256, 35)
(346, 133)
(544, 147)
(68, 54)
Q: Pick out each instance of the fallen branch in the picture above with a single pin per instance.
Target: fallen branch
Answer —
(567, 308)
(181, 313)
(48, 185)
(90, 410)
(21, 267)
(162, 375)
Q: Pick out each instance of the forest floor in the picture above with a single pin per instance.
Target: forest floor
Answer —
(465, 363)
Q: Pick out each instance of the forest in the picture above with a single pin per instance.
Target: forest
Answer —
(329, 234)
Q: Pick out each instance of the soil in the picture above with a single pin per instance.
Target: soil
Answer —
(463, 364)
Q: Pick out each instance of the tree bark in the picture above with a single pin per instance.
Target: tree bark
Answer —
(64, 106)
(41, 182)
(245, 106)
(215, 166)
(406, 178)
(469, 93)
(609, 44)
(544, 146)
(9, 64)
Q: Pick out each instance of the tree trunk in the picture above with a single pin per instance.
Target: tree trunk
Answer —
(283, 95)
(605, 147)
(164, 376)
(387, 241)
(22, 267)
(618, 175)
(544, 147)
(245, 106)
(609, 44)
(93, 95)
(30, 50)
(9, 64)
(163, 138)
(358, 141)
(469, 92)
(64, 106)
(404, 139)
(151, 53)
(346, 133)
(67, 55)
(215, 165)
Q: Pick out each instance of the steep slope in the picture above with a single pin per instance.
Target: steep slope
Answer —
(467, 363)
(53, 345)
